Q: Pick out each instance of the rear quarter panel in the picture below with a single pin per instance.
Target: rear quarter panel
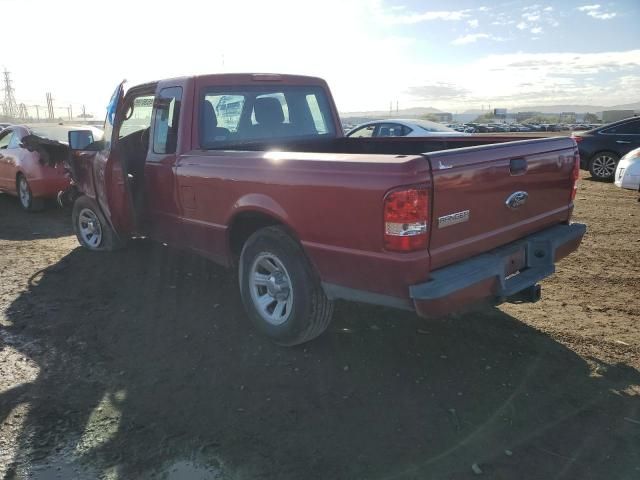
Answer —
(44, 181)
(331, 202)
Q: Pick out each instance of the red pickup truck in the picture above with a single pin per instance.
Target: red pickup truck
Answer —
(253, 172)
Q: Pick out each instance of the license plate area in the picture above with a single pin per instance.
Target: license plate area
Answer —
(515, 262)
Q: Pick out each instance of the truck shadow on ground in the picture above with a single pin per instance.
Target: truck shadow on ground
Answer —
(146, 359)
(16, 224)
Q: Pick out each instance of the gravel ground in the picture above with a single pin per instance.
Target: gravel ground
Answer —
(141, 364)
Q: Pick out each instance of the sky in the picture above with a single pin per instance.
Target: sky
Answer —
(451, 55)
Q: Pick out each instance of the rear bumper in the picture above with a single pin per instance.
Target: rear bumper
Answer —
(484, 277)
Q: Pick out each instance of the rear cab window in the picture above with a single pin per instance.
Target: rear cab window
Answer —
(237, 115)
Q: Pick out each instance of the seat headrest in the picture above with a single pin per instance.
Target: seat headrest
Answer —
(209, 118)
(268, 111)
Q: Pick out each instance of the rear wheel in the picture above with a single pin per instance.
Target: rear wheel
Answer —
(280, 291)
(603, 166)
(91, 228)
(27, 201)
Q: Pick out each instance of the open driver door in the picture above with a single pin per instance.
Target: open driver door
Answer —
(99, 171)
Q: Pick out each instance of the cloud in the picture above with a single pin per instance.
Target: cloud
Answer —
(589, 8)
(531, 17)
(470, 38)
(440, 91)
(536, 30)
(518, 79)
(595, 11)
(413, 18)
(521, 26)
(473, 23)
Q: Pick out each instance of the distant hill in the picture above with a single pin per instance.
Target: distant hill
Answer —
(627, 106)
(472, 114)
(403, 113)
(566, 108)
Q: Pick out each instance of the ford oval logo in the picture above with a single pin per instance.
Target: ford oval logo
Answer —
(516, 199)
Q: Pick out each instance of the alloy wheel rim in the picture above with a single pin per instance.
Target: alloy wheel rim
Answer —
(270, 287)
(604, 166)
(90, 228)
(24, 192)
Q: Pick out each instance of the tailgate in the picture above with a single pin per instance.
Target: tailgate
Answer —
(488, 196)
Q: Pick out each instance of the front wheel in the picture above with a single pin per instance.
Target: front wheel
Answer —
(280, 291)
(91, 228)
(27, 201)
(603, 166)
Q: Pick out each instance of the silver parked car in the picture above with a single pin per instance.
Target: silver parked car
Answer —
(402, 128)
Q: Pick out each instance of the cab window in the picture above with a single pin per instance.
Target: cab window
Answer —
(237, 115)
(165, 120)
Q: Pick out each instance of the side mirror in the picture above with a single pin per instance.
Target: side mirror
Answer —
(80, 139)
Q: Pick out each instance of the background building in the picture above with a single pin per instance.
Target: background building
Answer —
(609, 116)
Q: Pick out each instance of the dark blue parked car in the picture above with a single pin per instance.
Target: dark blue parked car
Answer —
(601, 148)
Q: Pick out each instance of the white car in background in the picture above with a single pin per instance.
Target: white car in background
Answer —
(402, 128)
(628, 171)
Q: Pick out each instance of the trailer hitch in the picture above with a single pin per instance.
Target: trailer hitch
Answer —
(529, 295)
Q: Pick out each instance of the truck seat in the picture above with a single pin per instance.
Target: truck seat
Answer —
(269, 117)
(211, 132)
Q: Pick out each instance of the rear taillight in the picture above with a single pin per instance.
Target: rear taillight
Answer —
(575, 176)
(406, 220)
(577, 139)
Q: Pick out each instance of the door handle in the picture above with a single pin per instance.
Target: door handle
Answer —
(622, 141)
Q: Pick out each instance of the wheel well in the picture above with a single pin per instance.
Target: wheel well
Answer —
(244, 225)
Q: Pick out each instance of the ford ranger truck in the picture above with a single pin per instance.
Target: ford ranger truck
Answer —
(253, 172)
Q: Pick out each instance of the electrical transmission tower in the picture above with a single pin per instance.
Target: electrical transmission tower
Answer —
(10, 104)
(50, 106)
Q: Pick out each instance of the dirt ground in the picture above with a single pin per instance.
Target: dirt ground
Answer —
(141, 364)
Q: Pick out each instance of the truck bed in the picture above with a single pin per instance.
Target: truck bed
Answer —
(470, 175)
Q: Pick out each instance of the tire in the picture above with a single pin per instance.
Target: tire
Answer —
(274, 268)
(91, 228)
(603, 166)
(27, 201)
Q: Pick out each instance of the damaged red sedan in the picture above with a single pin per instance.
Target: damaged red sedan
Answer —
(24, 172)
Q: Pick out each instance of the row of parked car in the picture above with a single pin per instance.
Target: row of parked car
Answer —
(473, 127)
(601, 148)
